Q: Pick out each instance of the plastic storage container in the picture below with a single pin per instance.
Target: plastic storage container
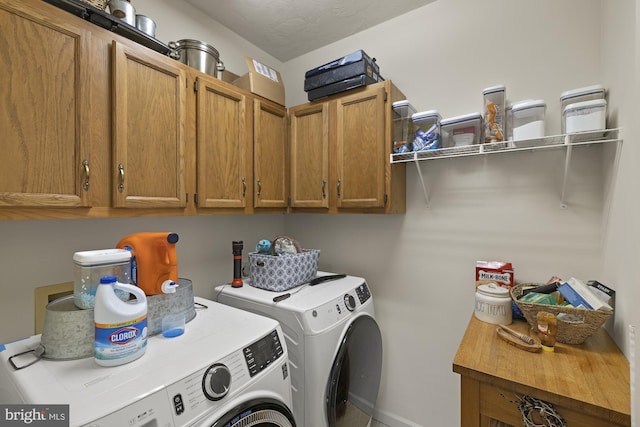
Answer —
(462, 130)
(90, 266)
(494, 114)
(528, 119)
(582, 94)
(585, 116)
(428, 135)
(402, 126)
(120, 327)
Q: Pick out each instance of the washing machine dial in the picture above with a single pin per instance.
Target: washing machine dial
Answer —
(216, 381)
(350, 302)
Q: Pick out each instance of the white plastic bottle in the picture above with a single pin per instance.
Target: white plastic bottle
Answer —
(120, 327)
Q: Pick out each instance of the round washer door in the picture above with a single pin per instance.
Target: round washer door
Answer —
(256, 412)
(353, 385)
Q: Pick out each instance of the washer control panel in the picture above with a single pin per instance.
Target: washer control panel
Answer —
(326, 315)
(262, 353)
(363, 293)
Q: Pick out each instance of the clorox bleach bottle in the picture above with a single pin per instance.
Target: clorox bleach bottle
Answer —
(120, 326)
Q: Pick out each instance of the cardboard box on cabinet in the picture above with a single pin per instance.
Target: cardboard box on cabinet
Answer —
(228, 76)
(262, 80)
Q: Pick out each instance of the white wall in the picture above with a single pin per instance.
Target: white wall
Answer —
(38, 253)
(177, 20)
(420, 265)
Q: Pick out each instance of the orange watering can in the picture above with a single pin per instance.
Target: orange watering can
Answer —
(154, 261)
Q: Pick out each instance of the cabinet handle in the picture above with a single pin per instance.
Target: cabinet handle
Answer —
(339, 187)
(121, 172)
(85, 185)
(259, 187)
(324, 187)
(244, 186)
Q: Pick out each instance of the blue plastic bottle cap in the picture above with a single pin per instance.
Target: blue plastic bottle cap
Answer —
(108, 279)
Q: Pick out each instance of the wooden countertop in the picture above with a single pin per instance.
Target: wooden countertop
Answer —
(594, 374)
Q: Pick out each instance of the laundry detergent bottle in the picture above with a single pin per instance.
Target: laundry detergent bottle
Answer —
(120, 326)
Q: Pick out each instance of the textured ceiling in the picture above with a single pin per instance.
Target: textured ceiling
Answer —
(287, 29)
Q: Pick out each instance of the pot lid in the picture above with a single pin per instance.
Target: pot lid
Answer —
(197, 44)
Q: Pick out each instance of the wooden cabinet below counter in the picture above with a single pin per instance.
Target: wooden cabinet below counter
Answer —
(587, 384)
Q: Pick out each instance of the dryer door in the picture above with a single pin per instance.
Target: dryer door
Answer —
(355, 375)
(256, 412)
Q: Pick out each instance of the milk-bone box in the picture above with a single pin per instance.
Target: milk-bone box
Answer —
(497, 272)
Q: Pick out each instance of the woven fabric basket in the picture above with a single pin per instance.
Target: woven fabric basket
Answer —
(100, 4)
(279, 273)
(569, 332)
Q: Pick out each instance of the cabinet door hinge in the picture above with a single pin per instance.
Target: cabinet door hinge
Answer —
(289, 201)
(186, 196)
(196, 85)
(384, 97)
(195, 198)
(385, 200)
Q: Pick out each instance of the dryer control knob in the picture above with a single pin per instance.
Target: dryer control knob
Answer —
(349, 302)
(216, 381)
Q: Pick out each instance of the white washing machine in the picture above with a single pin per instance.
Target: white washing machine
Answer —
(229, 368)
(334, 344)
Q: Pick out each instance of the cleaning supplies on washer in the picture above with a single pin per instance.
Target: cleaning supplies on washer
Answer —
(120, 327)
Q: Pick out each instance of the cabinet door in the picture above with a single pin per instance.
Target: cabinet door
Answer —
(223, 146)
(309, 158)
(149, 107)
(270, 155)
(44, 113)
(360, 149)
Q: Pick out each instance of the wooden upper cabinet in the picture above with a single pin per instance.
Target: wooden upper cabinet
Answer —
(223, 138)
(149, 110)
(361, 149)
(270, 135)
(309, 155)
(45, 110)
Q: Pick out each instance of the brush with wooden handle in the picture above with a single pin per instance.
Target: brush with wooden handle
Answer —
(525, 338)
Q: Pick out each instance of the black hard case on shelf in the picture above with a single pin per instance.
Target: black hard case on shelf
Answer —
(349, 66)
(341, 86)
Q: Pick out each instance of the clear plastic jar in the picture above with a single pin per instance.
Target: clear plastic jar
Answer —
(493, 304)
(91, 266)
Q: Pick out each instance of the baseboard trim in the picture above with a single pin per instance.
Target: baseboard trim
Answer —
(392, 420)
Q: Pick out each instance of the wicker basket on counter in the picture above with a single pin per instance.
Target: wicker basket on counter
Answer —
(100, 4)
(569, 332)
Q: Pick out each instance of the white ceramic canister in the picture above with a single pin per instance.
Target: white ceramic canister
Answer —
(493, 304)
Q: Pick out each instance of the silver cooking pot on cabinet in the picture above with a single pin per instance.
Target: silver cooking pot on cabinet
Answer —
(199, 55)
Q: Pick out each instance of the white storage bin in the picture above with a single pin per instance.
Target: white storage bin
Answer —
(402, 126)
(528, 119)
(585, 116)
(582, 94)
(462, 130)
(91, 266)
(427, 130)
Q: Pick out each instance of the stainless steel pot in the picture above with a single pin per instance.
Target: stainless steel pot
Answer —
(199, 55)
(146, 25)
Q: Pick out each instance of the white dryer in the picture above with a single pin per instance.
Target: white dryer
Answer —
(334, 344)
(228, 369)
